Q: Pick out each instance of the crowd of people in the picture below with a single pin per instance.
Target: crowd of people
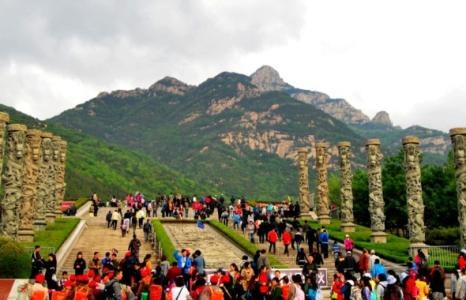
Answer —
(184, 276)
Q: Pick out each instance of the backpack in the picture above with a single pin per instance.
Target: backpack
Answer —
(373, 295)
(355, 293)
(109, 292)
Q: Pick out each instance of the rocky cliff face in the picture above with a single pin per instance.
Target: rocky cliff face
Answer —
(268, 79)
(382, 118)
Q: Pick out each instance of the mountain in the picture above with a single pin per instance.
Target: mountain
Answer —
(435, 143)
(235, 133)
(225, 133)
(95, 166)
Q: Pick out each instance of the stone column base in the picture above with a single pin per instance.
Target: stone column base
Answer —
(379, 237)
(40, 224)
(50, 218)
(347, 227)
(58, 213)
(25, 235)
(413, 247)
(324, 220)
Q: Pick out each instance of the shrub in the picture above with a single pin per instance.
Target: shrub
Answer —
(14, 261)
(443, 236)
(162, 237)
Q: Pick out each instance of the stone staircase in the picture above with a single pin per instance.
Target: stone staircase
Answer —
(97, 237)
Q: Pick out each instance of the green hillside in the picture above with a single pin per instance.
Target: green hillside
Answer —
(96, 166)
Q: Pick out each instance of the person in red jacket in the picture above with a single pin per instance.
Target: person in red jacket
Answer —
(462, 259)
(272, 237)
(363, 263)
(263, 282)
(286, 241)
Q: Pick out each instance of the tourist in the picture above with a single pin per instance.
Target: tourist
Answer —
(275, 289)
(349, 244)
(309, 266)
(79, 264)
(296, 292)
(184, 262)
(420, 260)
(422, 287)
(272, 237)
(108, 218)
(298, 238)
(263, 260)
(50, 272)
(312, 292)
(349, 263)
(251, 230)
(310, 237)
(113, 289)
(335, 292)
(381, 281)
(323, 240)
(37, 262)
(95, 264)
(408, 284)
(147, 229)
(247, 277)
(372, 259)
(437, 282)
(134, 246)
(393, 290)
(116, 218)
(301, 257)
(199, 262)
(173, 272)
(263, 283)
(286, 241)
(377, 269)
(366, 288)
(363, 264)
(38, 290)
(107, 260)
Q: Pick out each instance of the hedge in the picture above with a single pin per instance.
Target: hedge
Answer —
(162, 238)
(396, 249)
(243, 243)
(14, 261)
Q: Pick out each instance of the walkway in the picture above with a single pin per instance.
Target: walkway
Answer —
(97, 237)
(217, 250)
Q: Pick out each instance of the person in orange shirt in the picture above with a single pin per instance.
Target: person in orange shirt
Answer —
(423, 288)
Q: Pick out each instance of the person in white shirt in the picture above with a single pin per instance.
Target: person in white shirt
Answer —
(372, 259)
(180, 292)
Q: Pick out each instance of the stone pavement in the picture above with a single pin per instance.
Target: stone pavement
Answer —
(217, 250)
(97, 237)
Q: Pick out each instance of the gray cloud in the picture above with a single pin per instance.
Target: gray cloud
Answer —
(48, 47)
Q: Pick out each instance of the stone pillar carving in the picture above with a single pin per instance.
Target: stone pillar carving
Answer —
(376, 202)
(415, 204)
(303, 181)
(458, 139)
(13, 179)
(4, 119)
(43, 188)
(322, 159)
(60, 187)
(29, 189)
(346, 187)
(52, 180)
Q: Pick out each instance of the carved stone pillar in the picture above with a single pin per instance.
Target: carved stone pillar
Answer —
(43, 188)
(346, 187)
(303, 181)
(60, 190)
(376, 202)
(13, 179)
(458, 139)
(4, 119)
(415, 204)
(322, 159)
(29, 190)
(52, 180)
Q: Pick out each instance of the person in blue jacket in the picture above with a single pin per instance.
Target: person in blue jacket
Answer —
(184, 262)
(377, 269)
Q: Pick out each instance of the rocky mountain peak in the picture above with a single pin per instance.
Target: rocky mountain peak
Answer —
(170, 85)
(382, 118)
(267, 79)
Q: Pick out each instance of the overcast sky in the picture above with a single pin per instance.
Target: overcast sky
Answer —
(405, 57)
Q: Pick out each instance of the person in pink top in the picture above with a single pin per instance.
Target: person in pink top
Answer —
(349, 245)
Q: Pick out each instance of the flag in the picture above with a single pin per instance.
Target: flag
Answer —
(200, 225)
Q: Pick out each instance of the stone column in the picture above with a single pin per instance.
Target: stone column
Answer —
(346, 187)
(376, 202)
(13, 179)
(52, 180)
(458, 139)
(322, 159)
(415, 204)
(4, 119)
(29, 189)
(303, 184)
(43, 188)
(60, 190)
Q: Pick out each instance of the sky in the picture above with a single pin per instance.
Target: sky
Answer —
(405, 57)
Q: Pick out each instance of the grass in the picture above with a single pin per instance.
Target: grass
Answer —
(80, 202)
(243, 243)
(396, 248)
(55, 234)
(162, 238)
